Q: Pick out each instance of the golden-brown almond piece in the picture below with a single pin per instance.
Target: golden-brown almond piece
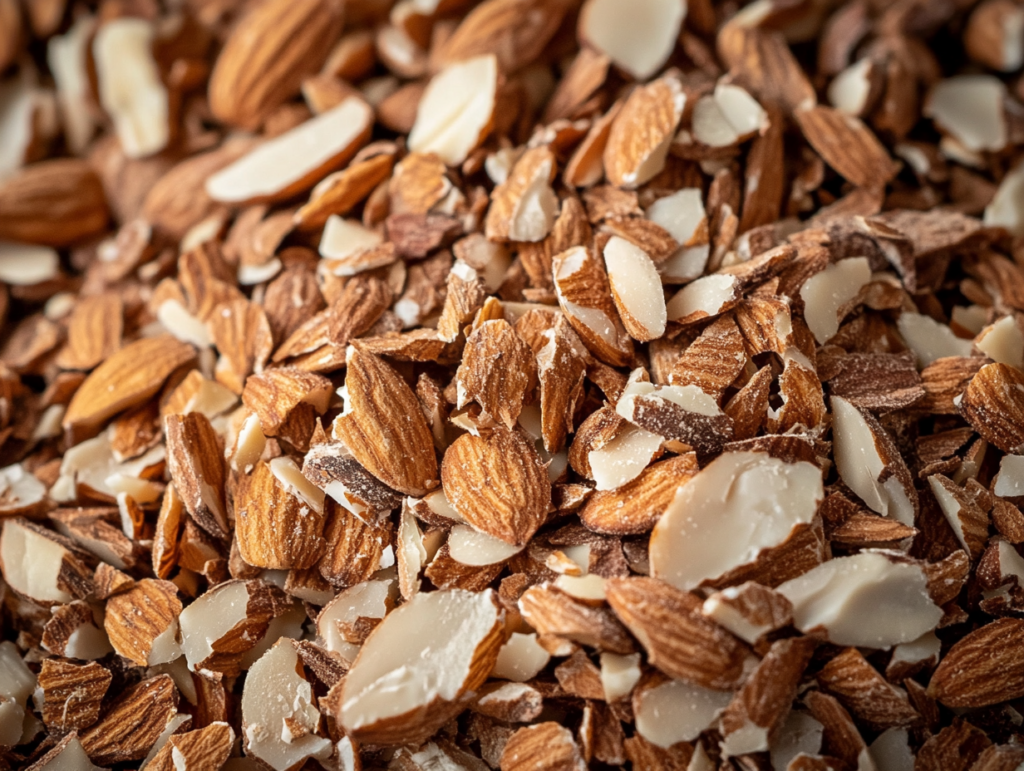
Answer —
(847, 145)
(94, 331)
(53, 202)
(642, 132)
(133, 723)
(561, 367)
(553, 612)
(126, 379)
(206, 747)
(383, 426)
(994, 405)
(195, 458)
(862, 690)
(498, 369)
(267, 56)
(524, 206)
(72, 693)
(354, 548)
(544, 745)
(498, 484)
(984, 667)
(142, 623)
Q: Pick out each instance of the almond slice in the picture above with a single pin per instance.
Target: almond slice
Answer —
(930, 340)
(749, 611)
(497, 370)
(279, 719)
(639, 39)
(297, 159)
(142, 623)
(20, 492)
(983, 667)
(1005, 209)
(623, 458)
(707, 296)
(676, 711)
(347, 620)
(524, 206)
(969, 522)
(741, 504)
(1009, 482)
(636, 289)
(27, 264)
(130, 88)
(474, 548)
(195, 460)
(995, 35)
(682, 215)
(635, 507)
(828, 293)
(970, 108)
(642, 132)
(542, 745)
(994, 405)
(456, 112)
(869, 462)
(521, 658)
(727, 117)
(344, 241)
(39, 564)
(868, 599)
(1003, 342)
(331, 467)
(67, 755)
(399, 694)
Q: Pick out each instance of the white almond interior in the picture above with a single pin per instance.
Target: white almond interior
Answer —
(287, 472)
(249, 444)
(950, 508)
(681, 213)
(891, 750)
(637, 286)
(619, 673)
(706, 296)
(72, 757)
(825, 293)
(718, 608)
(595, 319)
(970, 108)
(130, 87)
(176, 319)
(67, 55)
(638, 36)
(369, 599)
(285, 160)
(925, 647)
(865, 599)
(456, 110)
(473, 548)
(1006, 209)
(930, 340)
(861, 466)
(287, 625)
(19, 489)
(738, 505)
(623, 458)
(27, 264)
(210, 617)
(344, 238)
(799, 733)
(727, 116)
(274, 693)
(1009, 482)
(520, 658)
(585, 587)
(32, 563)
(537, 207)
(88, 643)
(1003, 342)
(677, 711)
(421, 653)
(850, 89)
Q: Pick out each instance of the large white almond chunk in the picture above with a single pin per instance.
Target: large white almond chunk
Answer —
(707, 296)
(677, 711)
(339, 622)
(521, 658)
(638, 36)
(1002, 342)
(297, 159)
(867, 599)
(67, 57)
(344, 238)
(624, 458)
(865, 455)
(130, 87)
(456, 111)
(636, 289)
(930, 340)
(682, 215)
(738, 505)
(16, 684)
(619, 673)
(826, 293)
(1009, 482)
(727, 116)
(473, 548)
(970, 109)
(416, 666)
(1006, 209)
(278, 716)
(27, 264)
(34, 564)
(891, 750)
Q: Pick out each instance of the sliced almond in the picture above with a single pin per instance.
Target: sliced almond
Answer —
(642, 132)
(142, 623)
(640, 39)
(133, 723)
(994, 405)
(749, 611)
(995, 35)
(497, 370)
(524, 205)
(930, 340)
(636, 506)
(521, 658)
(982, 667)
(828, 293)
(676, 711)
(636, 289)
(39, 564)
(331, 468)
(27, 264)
(970, 109)
(727, 116)
(707, 296)
(346, 621)
(542, 745)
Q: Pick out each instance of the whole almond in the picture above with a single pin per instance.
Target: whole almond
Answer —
(53, 202)
(268, 55)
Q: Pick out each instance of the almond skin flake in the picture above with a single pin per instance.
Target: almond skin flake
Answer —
(511, 384)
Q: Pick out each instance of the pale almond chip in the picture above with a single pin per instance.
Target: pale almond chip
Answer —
(970, 108)
(642, 132)
(1009, 482)
(707, 296)
(676, 711)
(451, 641)
(1003, 342)
(40, 565)
(827, 294)
(27, 264)
(682, 215)
(297, 159)
(347, 620)
(930, 340)
(524, 206)
(521, 658)
(636, 289)
(727, 116)
(639, 39)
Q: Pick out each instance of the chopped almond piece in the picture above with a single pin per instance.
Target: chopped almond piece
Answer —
(970, 108)
(638, 39)
(544, 745)
(642, 132)
(636, 289)
(676, 711)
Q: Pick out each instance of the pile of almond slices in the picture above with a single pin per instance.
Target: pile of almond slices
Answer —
(533, 385)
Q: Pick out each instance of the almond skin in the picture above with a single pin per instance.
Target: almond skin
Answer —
(54, 203)
(985, 667)
(268, 55)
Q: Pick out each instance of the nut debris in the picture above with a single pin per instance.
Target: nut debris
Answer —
(545, 745)
(639, 39)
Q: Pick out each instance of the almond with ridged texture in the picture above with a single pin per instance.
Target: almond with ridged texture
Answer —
(995, 35)
(642, 132)
(984, 667)
(126, 379)
(295, 160)
(498, 484)
(53, 202)
(142, 623)
(524, 206)
(195, 459)
(133, 723)
(545, 745)
(206, 747)
(94, 331)
(847, 145)
(445, 643)
(497, 371)
(638, 37)
(269, 53)
(384, 427)
(72, 693)
(40, 564)
(274, 526)
(561, 367)
(994, 405)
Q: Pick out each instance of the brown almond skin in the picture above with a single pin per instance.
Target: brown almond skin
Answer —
(55, 203)
(268, 55)
(985, 667)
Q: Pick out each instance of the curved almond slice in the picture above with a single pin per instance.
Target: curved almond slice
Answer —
(635, 507)
(345, 621)
(638, 37)
(707, 296)
(737, 506)
(970, 109)
(130, 87)
(279, 720)
(27, 264)
(867, 599)
(414, 669)
(994, 406)
(456, 112)
(969, 522)
(331, 467)
(39, 564)
(498, 484)
(727, 117)
(853, 90)
(1002, 342)
(623, 459)
(476, 549)
(827, 294)
(524, 206)
(865, 456)
(20, 491)
(930, 340)
(497, 371)
(636, 289)
(297, 159)
(676, 711)
(642, 132)
(521, 658)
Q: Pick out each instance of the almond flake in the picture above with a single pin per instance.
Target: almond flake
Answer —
(970, 108)
(521, 658)
(707, 296)
(497, 371)
(27, 264)
(639, 39)
(994, 405)
(726, 117)
(642, 132)
(40, 565)
(546, 745)
(636, 289)
(995, 35)
(134, 722)
(142, 623)
(828, 294)
(676, 711)
(524, 205)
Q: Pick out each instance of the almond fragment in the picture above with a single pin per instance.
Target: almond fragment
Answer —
(640, 39)
(642, 132)
(207, 747)
(995, 35)
(847, 145)
(67, 754)
(41, 565)
(994, 405)
(676, 711)
(27, 264)
(859, 687)
(452, 640)
(520, 658)
(727, 117)
(142, 623)
(497, 370)
(497, 484)
(286, 397)
(553, 612)
(970, 109)
(828, 293)
(983, 667)
(133, 723)
(544, 745)
(195, 460)
(749, 611)
(54, 203)
(707, 296)
(20, 492)
(682, 215)
(72, 693)
(331, 468)
(636, 289)
(524, 206)
(295, 160)
(969, 522)
(561, 366)
(347, 620)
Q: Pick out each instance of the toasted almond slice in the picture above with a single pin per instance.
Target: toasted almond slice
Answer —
(343, 240)
(346, 621)
(741, 503)
(279, 720)
(869, 462)
(930, 340)
(994, 405)
(749, 611)
(561, 366)
(1002, 342)
(524, 206)
(995, 35)
(297, 159)
(331, 467)
(828, 293)
(969, 522)
(497, 371)
(450, 642)
(636, 507)
(619, 674)
(27, 264)
(676, 711)
(141, 717)
(642, 132)
(130, 87)
(67, 755)
(623, 459)
(682, 215)
(970, 108)
(521, 658)
(727, 117)
(456, 112)
(196, 463)
(636, 289)
(39, 564)
(142, 623)
(638, 38)
(542, 745)
(868, 599)
(707, 296)
(474, 548)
